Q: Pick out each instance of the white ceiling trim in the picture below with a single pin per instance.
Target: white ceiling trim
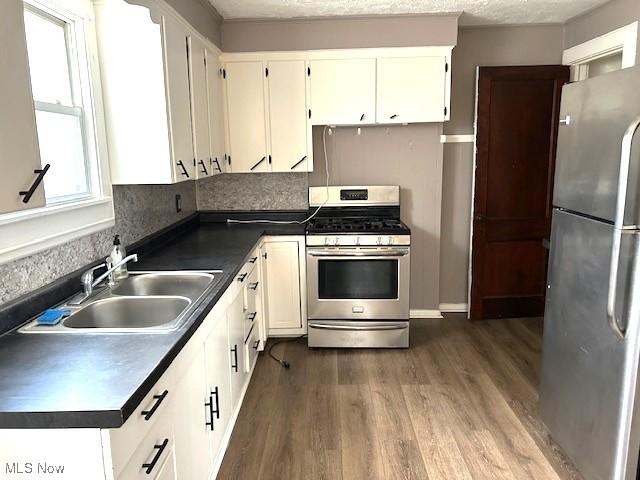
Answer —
(476, 12)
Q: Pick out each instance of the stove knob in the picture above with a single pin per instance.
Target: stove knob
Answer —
(326, 241)
(379, 241)
(357, 241)
(390, 241)
(337, 241)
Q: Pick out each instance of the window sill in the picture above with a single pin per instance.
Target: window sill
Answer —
(28, 232)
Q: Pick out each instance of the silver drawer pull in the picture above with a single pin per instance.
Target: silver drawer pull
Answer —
(322, 326)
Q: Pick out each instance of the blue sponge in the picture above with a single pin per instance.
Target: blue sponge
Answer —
(52, 316)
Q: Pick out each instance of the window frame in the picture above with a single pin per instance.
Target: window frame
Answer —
(26, 232)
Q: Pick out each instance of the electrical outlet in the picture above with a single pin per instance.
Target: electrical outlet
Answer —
(178, 203)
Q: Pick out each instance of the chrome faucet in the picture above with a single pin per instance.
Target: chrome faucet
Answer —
(88, 282)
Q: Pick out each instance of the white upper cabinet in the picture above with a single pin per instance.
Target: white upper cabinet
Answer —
(343, 91)
(145, 78)
(19, 155)
(411, 89)
(289, 124)
(177, 78)
(215, 98)
(246, 117)
(199, 107)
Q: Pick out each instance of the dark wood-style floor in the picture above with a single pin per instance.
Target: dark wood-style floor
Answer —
(461, 403)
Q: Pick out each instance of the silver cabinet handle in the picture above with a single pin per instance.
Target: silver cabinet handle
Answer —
(356, 328)
(623, 180)
(398, 253)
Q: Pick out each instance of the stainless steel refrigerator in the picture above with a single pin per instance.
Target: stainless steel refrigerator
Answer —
(589, 380)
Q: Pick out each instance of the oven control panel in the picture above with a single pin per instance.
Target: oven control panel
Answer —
(351, 195)
(357, 240)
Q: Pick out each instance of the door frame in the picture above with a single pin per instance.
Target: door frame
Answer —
(622, 40)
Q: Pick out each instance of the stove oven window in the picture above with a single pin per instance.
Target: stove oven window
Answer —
(358, 279)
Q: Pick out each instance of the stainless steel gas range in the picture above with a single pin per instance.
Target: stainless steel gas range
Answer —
(358, 264)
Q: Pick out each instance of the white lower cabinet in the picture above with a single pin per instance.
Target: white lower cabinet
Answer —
(168, 469)
(284, 281)
(193, 457)
(235, 317)
(218, 381)
(181, 428)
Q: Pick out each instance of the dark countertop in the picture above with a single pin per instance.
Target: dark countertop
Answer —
(97, 380)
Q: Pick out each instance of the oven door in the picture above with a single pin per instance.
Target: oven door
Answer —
(358, 283)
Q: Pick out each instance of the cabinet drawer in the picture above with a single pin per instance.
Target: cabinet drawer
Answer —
(248, 268)
(149, 458)
(155, 408)
(251, 348)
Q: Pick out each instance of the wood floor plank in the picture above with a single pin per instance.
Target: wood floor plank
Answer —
(440, 453)
(285, 440)
(402, 458)
(361, 452)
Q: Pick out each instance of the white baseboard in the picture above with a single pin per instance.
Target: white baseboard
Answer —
(454, 307)
(425, 314)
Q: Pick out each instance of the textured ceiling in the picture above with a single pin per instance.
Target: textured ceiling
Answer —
(475, 11)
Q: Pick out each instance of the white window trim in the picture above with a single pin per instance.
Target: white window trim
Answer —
(624, 39)
(30, 231)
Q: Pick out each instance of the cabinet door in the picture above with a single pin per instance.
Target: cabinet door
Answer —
(246, 117)
(343, 92)
(218, 381)
(216, 113)
(411, 89)
(235, 317)
(289, 123)
(18, 139)
(199, 107)
(193, 457)
(282, 271)
(177, 79)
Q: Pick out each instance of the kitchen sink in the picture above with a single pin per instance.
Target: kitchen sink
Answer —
(145, 302)
(190, 285)
(129, 312)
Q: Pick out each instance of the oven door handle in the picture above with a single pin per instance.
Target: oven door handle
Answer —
(355, 253)
(323, 326)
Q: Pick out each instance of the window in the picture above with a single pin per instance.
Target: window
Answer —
(59, 82)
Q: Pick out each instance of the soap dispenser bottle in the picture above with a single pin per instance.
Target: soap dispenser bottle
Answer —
(117, 254)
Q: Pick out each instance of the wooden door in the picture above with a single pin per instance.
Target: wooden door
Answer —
(343, 92)
(289, 123)
(177, 79)
(246, 117)
(411, 89)
(199, 107)
(517, 127)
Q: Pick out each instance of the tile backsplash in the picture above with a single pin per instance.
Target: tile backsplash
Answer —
(140, 210)
(254, 191)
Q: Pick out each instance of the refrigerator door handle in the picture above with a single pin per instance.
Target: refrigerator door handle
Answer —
(623, 180)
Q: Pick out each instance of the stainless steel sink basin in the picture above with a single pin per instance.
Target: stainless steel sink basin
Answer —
(146, 302)
(129, 313)
(190, 285)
